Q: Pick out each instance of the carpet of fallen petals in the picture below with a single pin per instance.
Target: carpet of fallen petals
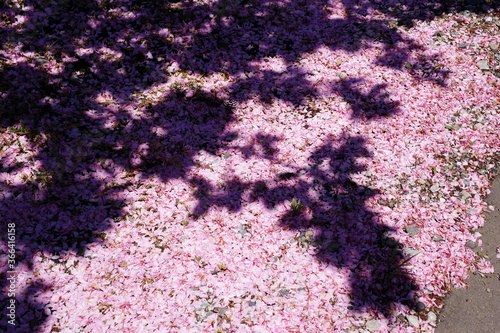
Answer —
(243, 166)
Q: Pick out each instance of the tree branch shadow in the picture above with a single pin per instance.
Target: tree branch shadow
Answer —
(64, 55)
(348, 234)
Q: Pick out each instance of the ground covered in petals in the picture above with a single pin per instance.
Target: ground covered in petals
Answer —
(243, 166)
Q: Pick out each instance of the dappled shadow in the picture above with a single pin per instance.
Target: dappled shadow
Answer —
(329, 210)
(26, 314)
(347, 234)
(88, 157)
(229, 197)
(71, 89)
(374, 104)
(263, 147)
